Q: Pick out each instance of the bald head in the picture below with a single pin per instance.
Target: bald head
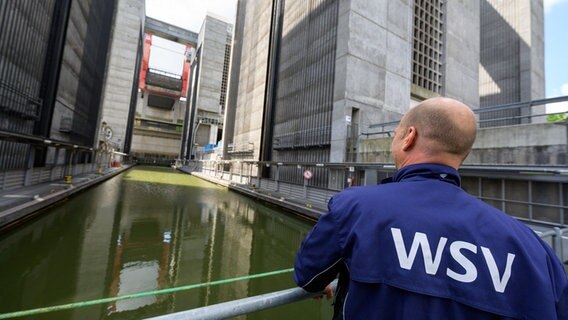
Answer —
(442, 128)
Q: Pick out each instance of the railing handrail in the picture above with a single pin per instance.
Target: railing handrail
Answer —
(538, 169)
(243, 306)
(502, 107)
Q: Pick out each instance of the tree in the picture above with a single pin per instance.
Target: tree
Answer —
(557, 117)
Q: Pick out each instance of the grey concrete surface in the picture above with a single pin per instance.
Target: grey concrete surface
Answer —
(18, 205)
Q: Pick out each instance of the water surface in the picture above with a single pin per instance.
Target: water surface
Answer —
(151, 228)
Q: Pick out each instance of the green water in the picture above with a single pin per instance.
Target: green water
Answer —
(151, 228)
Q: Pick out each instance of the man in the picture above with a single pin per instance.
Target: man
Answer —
(418, 247)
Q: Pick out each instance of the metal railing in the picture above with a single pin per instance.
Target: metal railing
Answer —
(239, 307)
(547, 183)
(555, 238)
(494, 116)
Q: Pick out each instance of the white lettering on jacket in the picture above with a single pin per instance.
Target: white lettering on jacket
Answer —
(432, 261)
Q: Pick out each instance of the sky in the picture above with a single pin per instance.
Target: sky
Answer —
(556, 50)
(168, 56)
(189, 14)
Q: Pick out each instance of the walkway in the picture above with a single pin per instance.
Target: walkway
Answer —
(20, 204)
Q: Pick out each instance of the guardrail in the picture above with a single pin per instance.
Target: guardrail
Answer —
(556, 238)
(495, 116)
(244, 306)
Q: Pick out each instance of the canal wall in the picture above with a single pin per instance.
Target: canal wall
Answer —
(311, 202)
(19, 205)
(308, 203)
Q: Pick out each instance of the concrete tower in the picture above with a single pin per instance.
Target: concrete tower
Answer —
(120, 89)
(210, 69)
(313, 75)
(53, 57)
(512, 56)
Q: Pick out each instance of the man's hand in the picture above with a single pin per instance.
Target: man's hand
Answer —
(328, 291)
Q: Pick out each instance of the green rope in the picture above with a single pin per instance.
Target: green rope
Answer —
(136, 295)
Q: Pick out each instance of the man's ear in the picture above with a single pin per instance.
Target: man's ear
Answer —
(409, 139)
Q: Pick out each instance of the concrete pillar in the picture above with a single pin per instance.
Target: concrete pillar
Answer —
(29, 166)
(372, 73)
(54, 166)
(213, 133)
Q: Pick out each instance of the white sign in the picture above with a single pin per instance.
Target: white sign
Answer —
(308, 174)
(348, 119)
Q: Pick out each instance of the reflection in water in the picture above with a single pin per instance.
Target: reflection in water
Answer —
(145, 230)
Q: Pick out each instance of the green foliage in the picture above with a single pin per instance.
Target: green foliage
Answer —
(557, 117)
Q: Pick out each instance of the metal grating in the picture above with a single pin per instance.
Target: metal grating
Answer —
(428, 44)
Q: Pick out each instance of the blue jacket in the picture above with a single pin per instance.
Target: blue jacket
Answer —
(420, 247)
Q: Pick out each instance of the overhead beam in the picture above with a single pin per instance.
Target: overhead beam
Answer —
(170, 32)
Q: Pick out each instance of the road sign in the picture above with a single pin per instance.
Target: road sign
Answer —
(307, 174)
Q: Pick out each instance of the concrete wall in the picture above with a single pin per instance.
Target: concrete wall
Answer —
(78, 101)
(541, 144)
(129, 20)
(173, 115)
(155, 143)
(248, 103)
(24, 55)
(373, 63)
(461, 77)
(213, 40)
(305, 71)
(512, 51)
(234, 75)
(527, 144)
(210, 85)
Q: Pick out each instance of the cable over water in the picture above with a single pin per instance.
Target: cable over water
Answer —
(137, 295)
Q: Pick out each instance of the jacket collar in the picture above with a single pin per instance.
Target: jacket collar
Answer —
(426, 171)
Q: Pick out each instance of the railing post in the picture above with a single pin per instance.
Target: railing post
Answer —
(558, 247)
(259, 174)
(250, 174)
(561, 203)
(305, 188)
(530, 205)
(278, 177)
(29, 166)
(241, 174)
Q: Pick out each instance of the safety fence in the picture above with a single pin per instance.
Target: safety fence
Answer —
(534, 193)
(535, 111)
(14, 179)
(556, 238)
(244, 306)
